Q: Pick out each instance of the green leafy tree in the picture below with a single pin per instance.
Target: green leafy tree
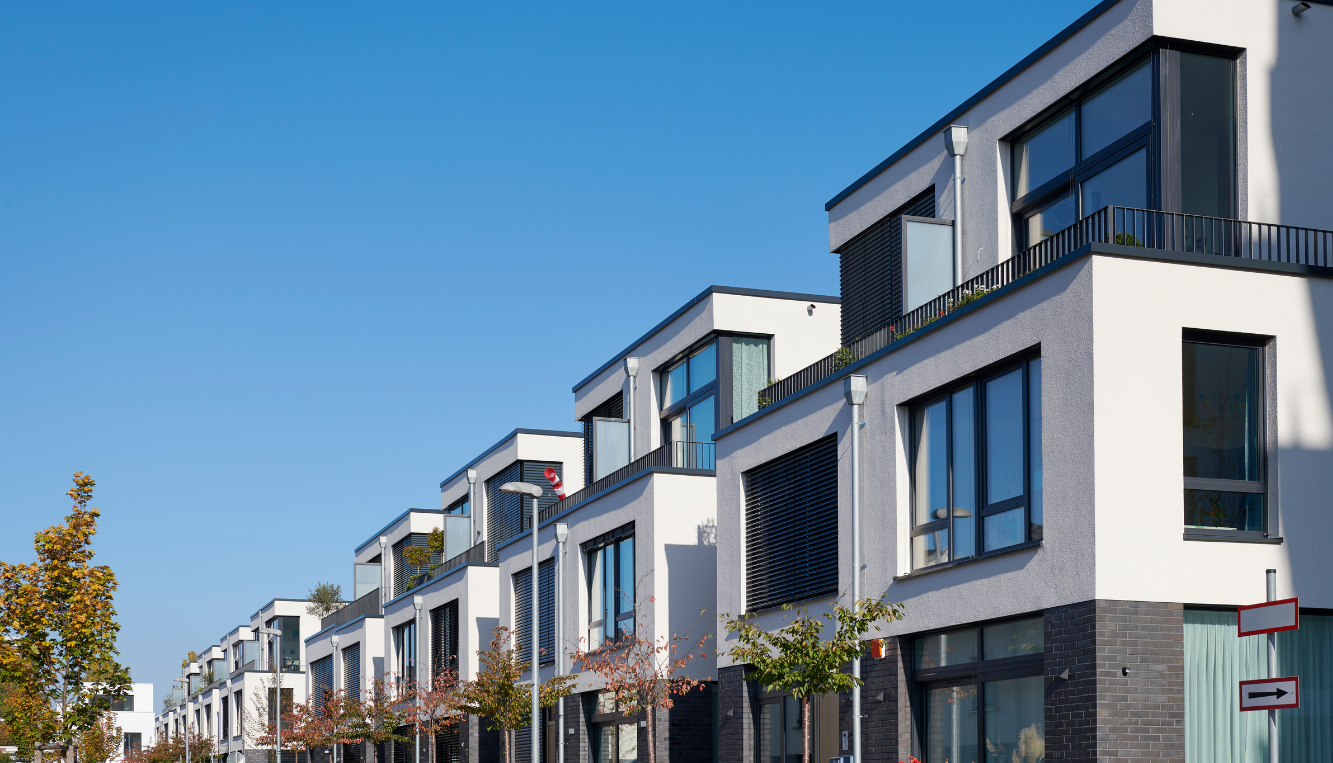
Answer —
(799, 659)
(421, 556)
(325, 599)
(101, 741)
(496, 694)
(58, 629)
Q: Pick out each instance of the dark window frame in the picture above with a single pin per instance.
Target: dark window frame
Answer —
(1160, 136)
(682, 405)
(975, 381)
(1267, 484)
(612, 539)
(976, 674)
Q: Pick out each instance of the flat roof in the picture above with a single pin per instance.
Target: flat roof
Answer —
(947, 119)
(496, 446)
(393, 522)
(699, 298)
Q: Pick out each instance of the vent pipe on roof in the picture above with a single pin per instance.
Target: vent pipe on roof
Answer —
(955, 140)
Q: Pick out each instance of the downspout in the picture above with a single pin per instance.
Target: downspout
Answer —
(632, 371)
(955, 141)
(478, 521)
(854, 389)
(384, 570)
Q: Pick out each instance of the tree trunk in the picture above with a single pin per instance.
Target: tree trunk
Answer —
(805, 727)
(504, 744)
(652, 737)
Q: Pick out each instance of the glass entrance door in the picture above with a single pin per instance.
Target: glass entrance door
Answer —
(951, 724)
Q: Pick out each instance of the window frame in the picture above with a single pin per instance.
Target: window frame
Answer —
(681, 406)
(405, 655)
(599, 545)
(975, 674)
(1267, 483)
(976, 382)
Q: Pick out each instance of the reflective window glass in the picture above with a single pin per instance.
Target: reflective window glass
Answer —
(1044, 155)
(703, 367)
(770, 733)
(1014, 720)
(1034, 448)
(1117, 110)
(628, 751)
(1221, 411)
(1206, 146)
(1123, 184)
(1004, 437)
(931, 463)
(951, 724)
(930, 548)
(964, 474)
(1013, 639)
(1222, 510)
(1051, 219)
(674, 386)
(1004, 529)
(927, 262)
(702, 420)
(944, 649)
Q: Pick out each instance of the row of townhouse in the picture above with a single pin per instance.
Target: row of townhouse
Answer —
(1078, 330)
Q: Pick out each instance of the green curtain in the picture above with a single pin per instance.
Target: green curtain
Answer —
(750, 359)
(1216, 661)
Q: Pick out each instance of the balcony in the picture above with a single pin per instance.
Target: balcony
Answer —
(696, 457)
(1169, 231)
(366, 606)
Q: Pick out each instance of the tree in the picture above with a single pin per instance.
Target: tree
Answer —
(497, 695)
(190, 656)
(325, 599)
(421, 556)
(58, 626)
(380, 714)
(260, 717)
(101, 741)
(437, 706)
(797, 658)
(172, 750)
(642, 673)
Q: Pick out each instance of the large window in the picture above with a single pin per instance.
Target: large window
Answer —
(791, 526)
(1122, 141)
(288, 645)
(689, 410)
(405, 651)
(610, 573)
(1222, 407)
(778, 729)
(976, 466)
(982, 692)
(617, 737)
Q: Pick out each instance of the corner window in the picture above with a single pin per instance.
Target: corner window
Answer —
(976, 467)
(1222, 406)
(689, 405)
(610, 573)
(749, 374)
(982, 686)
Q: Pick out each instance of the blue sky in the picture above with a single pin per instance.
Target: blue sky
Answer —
(269, 272)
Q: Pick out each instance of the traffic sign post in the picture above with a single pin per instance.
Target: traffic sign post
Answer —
(1270, 693)
(1269, 617)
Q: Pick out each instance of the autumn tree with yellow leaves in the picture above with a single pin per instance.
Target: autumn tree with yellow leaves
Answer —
(58, 633)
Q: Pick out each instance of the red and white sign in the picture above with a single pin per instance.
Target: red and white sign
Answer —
(554, 479)
(1269, 617)
(1270, 693)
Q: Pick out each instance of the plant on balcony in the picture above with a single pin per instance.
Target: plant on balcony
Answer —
(1128, 239)
(797, 657)
(59, 658)
(845, 356)
(496, 694)
(643, 673)
(764, 399)
(325, 599)
(421, 556)
(970, 295)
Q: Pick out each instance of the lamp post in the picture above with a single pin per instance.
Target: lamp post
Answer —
(561, 535)
(333, 642)
(184, 681)
(277, 663)
(527, 489)
(854, 389)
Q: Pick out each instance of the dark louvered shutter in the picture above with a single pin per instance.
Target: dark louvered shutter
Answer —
(791, 526)
(534, 473)
(352, 671)
(444, 639)
(321, 676)
(401, 569)
(872, 272)
(613, 408)
(503, 517)
(447, 748)
(523, 612)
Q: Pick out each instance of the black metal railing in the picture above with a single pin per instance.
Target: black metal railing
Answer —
(1110, 225)
(681, 455)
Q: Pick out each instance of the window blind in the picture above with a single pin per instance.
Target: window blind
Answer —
(872, 271)
(523, 612)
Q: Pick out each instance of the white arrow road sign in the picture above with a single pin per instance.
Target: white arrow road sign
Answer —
(1269, 617)
(1270, 693)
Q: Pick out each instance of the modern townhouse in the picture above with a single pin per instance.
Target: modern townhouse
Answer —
(638, 542)
(453, 603)
(231, 680)
(1081, 332)
(134, 716)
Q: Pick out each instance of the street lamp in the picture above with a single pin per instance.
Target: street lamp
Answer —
(854, 389)
(521, 489)
(416, 669)
(184, 681)
(333, 642)
(561, 535)
(277, 663)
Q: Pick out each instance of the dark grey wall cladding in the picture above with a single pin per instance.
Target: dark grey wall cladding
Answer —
(577, 725)
(1071, 704)
(736, 707)
(476, 744)
(685, 732)
(1140, 715)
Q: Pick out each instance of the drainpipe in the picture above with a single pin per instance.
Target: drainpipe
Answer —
(478, 523)
(955, 140)
(384, 570)
(854, 389)
(632, 371)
